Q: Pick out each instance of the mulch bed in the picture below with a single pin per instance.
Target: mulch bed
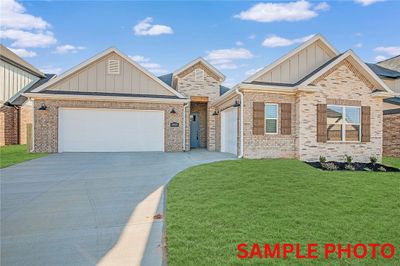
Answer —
(358, 166)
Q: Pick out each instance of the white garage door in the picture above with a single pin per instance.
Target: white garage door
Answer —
(229, 130)
(110, 130)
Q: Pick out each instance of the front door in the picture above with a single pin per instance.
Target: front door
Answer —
(194, 130)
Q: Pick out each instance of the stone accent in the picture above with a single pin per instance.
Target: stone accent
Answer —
(343, 82)
(391, 135)
(8, 125)
(26, 117)
(46, 122)
(268, 145)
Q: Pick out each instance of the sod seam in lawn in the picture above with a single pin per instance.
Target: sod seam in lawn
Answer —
(212, 208)
(13, 154)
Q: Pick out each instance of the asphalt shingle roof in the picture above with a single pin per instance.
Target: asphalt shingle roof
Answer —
(384, 72)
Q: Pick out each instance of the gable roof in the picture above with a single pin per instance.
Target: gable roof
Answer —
(384, 72)
(391, 63)
(205, 63)
(19, 99)
(304, 45)
(10, 57)
(361, 66)
(99, 56)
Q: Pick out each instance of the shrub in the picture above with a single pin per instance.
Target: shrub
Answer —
(329, 166)
(322, 159)
(349, 167)
(381, 169)
(373, 160)
(348, 158)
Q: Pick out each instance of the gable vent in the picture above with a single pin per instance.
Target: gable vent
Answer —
(113, 67)
(199, 74)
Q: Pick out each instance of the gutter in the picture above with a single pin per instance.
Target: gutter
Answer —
(241, 121)
(185, 106)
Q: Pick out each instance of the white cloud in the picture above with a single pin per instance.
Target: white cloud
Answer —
(223, 58)
(276, 41)
(358, 45)
(367, 2)
(145, 28)
(145, 62)
(239, 43)
(50, 69)
(380, 58)
(270, 12)
(323, 6)
(389, 50)
(14, 16)
(358, 34)
(68, 48)
(24, 39)
(252, 71)
(139, 58)
(252, 36)
(23, 52)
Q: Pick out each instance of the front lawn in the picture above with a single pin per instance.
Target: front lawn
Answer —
(214, 207)
(392, 161)
(13, 154)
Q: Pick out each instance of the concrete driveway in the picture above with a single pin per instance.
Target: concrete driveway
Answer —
(89, 208)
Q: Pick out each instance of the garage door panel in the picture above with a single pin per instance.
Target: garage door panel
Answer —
(229, 131)
(106, 130)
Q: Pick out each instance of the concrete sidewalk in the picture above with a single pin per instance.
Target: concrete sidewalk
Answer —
(89, 208)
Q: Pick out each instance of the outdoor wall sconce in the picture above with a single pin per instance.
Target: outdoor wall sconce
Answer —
(236, 104)
(173, 111)
(215, 113)
(43, 107)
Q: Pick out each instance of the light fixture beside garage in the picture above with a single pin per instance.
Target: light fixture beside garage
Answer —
(236, 104)
(43, 107)
(173, 111)
(215, 112)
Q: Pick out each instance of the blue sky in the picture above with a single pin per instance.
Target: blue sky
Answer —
(237, 37)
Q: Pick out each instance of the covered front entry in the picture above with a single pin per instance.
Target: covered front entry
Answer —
(198, 125)
(110, 130)
(229, 128)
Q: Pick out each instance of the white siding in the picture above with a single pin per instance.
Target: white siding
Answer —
(12, 80)
(299, 65)
(394, 84)
(94, 78)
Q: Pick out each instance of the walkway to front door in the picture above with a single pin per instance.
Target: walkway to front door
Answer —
(194, 130)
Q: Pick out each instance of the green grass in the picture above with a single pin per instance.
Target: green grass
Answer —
(392, 161)
(212, 208)
(13, 154)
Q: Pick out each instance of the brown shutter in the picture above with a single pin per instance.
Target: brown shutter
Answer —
(365, 124)
(286, 118)
(258, 118)
(321, 123)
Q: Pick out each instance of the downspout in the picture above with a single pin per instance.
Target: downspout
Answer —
(241, 121)
(185, 105)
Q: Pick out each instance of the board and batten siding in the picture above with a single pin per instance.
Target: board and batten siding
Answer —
(299, 65)
(394, 84)
(94, 78)
(12, 80)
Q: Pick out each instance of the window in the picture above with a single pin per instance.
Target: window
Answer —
(344, 123)
(199, 74)
(271, 118)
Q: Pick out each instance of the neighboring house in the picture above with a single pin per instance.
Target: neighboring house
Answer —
(313, 101)
(16, 77)
(389, 71)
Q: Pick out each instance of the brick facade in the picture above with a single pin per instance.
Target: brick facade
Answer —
(46, 122)
(343, 82)
(8, 125)
(391, 135)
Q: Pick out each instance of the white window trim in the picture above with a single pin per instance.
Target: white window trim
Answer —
(195, 74)
(277, 119)
(344, 123)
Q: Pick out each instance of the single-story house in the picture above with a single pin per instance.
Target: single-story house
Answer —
(389, 71)
(313, 101)
(16, 77)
